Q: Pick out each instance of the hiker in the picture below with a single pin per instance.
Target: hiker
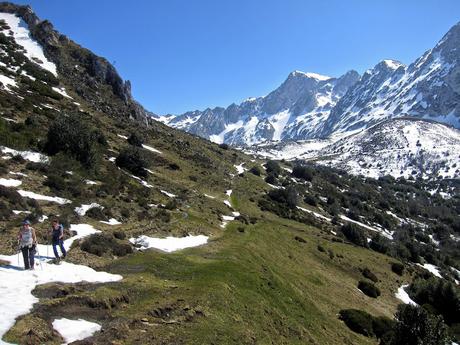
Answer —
(27, 243)
(57, 233)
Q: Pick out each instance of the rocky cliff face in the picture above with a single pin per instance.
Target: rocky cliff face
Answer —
(91, 76)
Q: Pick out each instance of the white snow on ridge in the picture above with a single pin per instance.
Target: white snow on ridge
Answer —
(27, 155)
(22, 37)
(170, 195)
(403, 296)
(73, 330)
(311, 75)
(381, 231)
(111, 221)
(9, 182)
(169, 244)
(431, 268)
(150, 148)
(36, 196)
(7, 82)
(81, 211)
(219, 138)
(16, 285)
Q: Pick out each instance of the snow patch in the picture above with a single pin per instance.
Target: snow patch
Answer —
(27, 155)
(73, 330)
(403, 295)
(9, 182)
(81, 211)
(36, 196)
(169, 244)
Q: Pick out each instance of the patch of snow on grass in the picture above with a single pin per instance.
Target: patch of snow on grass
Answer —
(9, 182)
(112, 221)
(318, 215)
(150, 148)
(61, 92)
(81, 211)
(73, 330)
(171, 195)
(381, 231)
(403, 296)
(431, 268)
(27, 155)
(36, 196)
(239, 168)
(169, 244)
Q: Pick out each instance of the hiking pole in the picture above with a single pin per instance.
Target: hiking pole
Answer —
(39, 258)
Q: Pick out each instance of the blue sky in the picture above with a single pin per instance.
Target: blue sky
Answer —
(192, 54)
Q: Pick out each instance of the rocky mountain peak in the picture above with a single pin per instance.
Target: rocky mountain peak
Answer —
(87, 73)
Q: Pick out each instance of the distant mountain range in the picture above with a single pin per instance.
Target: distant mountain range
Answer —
(312, 106)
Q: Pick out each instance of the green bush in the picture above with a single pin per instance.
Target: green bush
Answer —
(100, 244)
(397, 268)
(358, 321)
(223, 146)
(354, 234)
(369, 288)
(97, 213)
(273, 168)
(303, 172)
(255, 170)
(287, 196)
(364, 323)
(369, 275)
(133, 160)
(415, 326)
(135, 139)
(69, 134)
(441, 295)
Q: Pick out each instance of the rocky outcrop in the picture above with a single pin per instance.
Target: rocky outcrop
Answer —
(91, 76)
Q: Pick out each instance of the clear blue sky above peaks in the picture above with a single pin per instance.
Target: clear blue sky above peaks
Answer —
(191, 54)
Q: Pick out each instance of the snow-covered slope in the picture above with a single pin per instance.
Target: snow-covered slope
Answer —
(400, 147)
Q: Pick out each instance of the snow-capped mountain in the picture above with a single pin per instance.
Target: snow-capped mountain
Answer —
(294, 110)
(428, 88)
(400, 147)
(311, 106)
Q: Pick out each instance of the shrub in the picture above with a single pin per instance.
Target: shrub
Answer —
(96, 213)
(302, 172)
(369, 288)
(223, 146)
(287, 196)
(55, 182)
(271, 179)
(380, 244)
(321, 248)
(441, 295)
(119, 235)
(135, 139)
(369, 275)
(71, 135)
(163, 216)
(133, 160)
(100, 244)
(255, 170)
(354, 234)
(358, 321)
(364, 323)
(415, 326)
(310, 200)
(397, 268)
(273, 168)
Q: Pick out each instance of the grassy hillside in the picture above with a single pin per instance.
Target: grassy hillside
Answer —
(276, 274)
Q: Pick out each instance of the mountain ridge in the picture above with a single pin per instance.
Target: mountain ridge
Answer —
(427, 88)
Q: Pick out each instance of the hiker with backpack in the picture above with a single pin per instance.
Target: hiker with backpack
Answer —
(57, 236)
(27, 241)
